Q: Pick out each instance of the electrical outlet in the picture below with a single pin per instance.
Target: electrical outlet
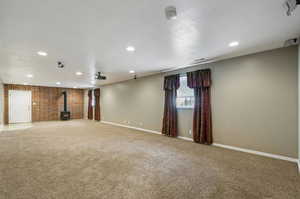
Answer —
(190, 132)
(141, 124)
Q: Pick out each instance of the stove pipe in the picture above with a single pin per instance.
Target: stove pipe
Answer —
(65, 115)
(65, 101)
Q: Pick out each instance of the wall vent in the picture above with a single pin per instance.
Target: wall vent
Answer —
(202, 61)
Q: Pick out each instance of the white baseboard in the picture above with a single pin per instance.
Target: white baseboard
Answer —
(185, 138)
(131, 127)
(280, 157)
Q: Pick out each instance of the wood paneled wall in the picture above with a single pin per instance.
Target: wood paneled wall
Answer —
(47, 102)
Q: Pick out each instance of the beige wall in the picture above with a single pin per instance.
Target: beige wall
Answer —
(136, 103)
(85, 106)
(254, 102)
(1, 103)
(299, 106)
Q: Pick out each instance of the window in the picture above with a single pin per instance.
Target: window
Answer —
(185, 95)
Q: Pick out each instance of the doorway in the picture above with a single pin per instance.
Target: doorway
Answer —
(19, 106)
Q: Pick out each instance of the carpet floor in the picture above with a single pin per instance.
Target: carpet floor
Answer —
(87, 160)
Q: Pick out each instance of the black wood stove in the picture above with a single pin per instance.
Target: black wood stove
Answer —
(65, 115)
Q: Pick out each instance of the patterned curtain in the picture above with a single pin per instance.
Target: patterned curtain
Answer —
(97, 104)
(171, 84)
(200, 81)
(90, 106)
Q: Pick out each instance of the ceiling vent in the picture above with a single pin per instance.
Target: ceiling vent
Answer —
(171, 12)
(291, 42)
(194, 63)
(202, 61)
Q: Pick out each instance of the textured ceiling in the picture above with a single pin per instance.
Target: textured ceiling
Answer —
(92, 35)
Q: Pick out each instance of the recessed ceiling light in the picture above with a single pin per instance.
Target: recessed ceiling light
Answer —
(58, 83)
(42, 53)
(79, 73)
(233, 44)
(130, 49)
(29, 76)
(132, 71)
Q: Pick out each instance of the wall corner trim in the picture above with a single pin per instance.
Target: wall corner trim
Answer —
(280, 157)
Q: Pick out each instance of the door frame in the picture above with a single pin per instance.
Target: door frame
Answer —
(30, 105)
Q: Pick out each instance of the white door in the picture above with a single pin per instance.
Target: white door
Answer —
(19, 106)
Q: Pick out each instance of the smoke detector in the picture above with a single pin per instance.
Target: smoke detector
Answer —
(290, 6)
(291, 42)
(171, 12)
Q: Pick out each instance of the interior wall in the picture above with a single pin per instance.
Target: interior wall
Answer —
(136, 103)
(254, 102)
(1, 103)
(47, 102)
(86, 101)
(299, 107)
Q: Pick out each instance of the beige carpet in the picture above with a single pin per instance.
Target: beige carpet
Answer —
(83, 159)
